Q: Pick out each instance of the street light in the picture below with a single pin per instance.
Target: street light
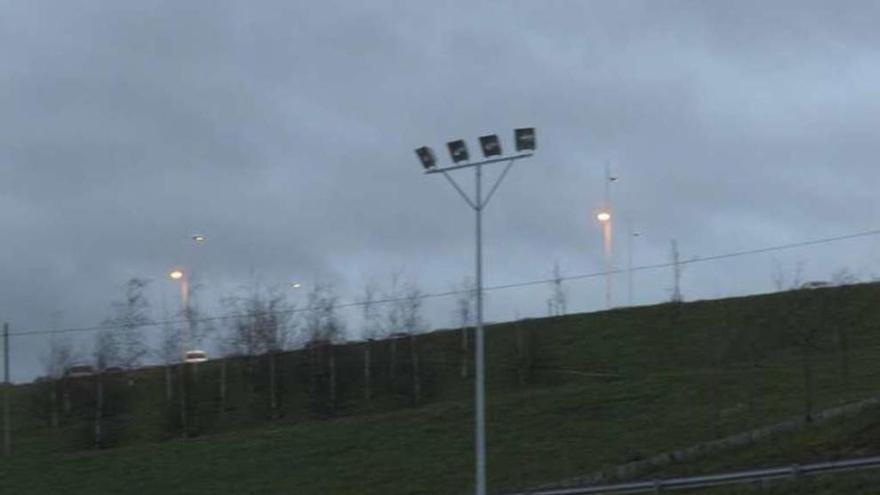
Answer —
(295, 285)
(525, 139)
(458, 151)
(491, 147)
(180, 275)
(426, 156)
(605, 219)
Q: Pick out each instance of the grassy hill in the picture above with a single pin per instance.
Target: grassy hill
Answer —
(848, 438)
(567, 395)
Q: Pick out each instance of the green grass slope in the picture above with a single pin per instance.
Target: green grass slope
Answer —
(567, 395)
(845, 438)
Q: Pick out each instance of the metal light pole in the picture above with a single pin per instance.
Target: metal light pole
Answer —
(631, 235)
(184, 337)
(525, 141)
(605, 218)
(184, 304)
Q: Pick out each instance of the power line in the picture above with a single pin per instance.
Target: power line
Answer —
(435, 295)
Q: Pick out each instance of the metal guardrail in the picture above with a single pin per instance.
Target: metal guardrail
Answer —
(712, 480)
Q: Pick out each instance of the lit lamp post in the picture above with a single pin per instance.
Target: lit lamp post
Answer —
(180, 275)
(605, 220)
(189, 355)
(491, 147)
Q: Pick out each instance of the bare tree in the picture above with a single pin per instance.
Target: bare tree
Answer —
(107, 350)
(413, 323)
(797, 278)
(323, 327)
(464, 314)
(778, 275)
(676, 273)
(556, 305)
(59, 357)
(56, 361)
(262, 324)
(372, 321)
(106, 354)
(322, 321)
(844, 276)
(394, 321)
(123, 343)
(169, 353)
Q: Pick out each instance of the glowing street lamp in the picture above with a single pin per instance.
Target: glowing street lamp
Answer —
(295, 285)
(604, 218)
(178, 274)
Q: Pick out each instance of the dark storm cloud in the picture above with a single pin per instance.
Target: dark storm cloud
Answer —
(285, 132)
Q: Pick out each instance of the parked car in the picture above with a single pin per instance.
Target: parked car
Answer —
(196, 356)
(79, 370)
(815, 284)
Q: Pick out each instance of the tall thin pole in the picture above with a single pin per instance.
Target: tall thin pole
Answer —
(184, 346)
(184, 300)
(478, 204)
(609, 263)
(606, 236)
(7, 428)
(676, 273)
(629, 240)
(480, 372)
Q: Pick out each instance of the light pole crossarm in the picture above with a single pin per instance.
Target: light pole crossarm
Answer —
(474, 164)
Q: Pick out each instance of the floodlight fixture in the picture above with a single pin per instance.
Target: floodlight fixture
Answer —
(199, 238)
(491, 145)
(525, 139)
(458, 150)
(426, 156)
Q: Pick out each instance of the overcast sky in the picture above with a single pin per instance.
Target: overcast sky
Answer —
(284, 131)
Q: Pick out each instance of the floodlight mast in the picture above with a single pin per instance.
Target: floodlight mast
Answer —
(525, 140)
